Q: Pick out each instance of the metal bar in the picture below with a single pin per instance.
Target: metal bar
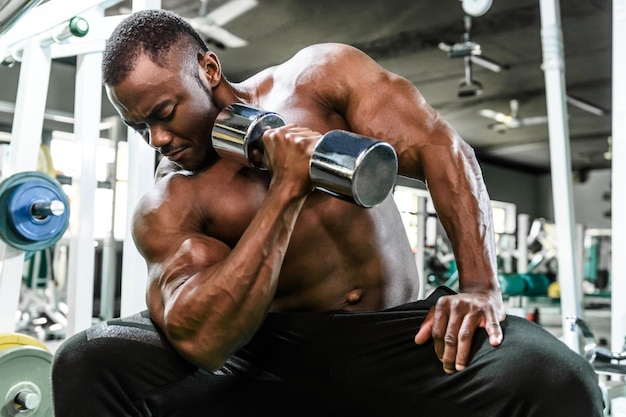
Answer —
(140, 180)
(560, 164)
(47, 16)
(618, 194)
(420, 249)
(109, 258)
(12, 11)
(523, 220)
(87, 109)
(25, 142)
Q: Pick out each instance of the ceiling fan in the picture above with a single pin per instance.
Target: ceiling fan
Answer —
(467, 48)
(209, 23)
(471, 53)
(511, 120)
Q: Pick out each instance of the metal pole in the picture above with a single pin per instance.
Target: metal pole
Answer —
(25, 142)
(618, 194)
(560, 163)
(12, 11)
(87, 132)
(420, 249)
(140, 180)
(108, 279)
(522, 244)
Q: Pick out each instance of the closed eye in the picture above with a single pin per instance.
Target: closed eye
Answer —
(167, 117)
(160, 112)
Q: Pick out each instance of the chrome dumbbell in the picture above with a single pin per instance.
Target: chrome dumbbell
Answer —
(346, 165)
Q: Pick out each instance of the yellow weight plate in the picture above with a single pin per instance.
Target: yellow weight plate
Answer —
(9, 340)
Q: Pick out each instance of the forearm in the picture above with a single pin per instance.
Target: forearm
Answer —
(218, 309)
(463, 206)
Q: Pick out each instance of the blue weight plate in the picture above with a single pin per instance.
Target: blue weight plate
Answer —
(18, 227)
(24, 222)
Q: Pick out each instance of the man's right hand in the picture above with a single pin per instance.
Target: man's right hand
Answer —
(288, 151)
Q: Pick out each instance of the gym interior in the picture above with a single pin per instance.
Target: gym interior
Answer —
(531, 85)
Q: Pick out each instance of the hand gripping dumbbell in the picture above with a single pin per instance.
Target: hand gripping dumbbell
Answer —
(346, 165)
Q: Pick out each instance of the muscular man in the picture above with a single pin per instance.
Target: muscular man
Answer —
(265, 295)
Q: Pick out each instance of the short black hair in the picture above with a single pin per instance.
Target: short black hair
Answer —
(153, 32)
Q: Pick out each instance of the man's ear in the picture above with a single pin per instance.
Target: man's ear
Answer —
(210, 67)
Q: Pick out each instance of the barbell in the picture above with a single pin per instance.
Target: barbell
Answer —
(34, 211)
(25, 381)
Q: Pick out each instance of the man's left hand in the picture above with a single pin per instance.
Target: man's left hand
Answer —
(453, 321)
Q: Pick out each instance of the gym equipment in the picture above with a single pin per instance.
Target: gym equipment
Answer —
(42, 313)
(11, 12)
(25, 387)
(34, 211)
(610, 366)
(346, 165)
(528, 284)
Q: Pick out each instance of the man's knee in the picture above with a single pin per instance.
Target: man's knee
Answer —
(542, 371)
(80, 358)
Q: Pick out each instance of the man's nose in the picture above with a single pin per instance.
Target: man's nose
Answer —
(159, 137)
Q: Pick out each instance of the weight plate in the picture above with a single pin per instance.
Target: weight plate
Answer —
(25, 369)
(18, 227)
(23, 221)
(9, 340)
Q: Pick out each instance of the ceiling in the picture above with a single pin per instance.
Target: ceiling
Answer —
(404, 37)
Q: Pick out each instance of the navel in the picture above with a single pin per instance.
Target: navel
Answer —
(354, 296)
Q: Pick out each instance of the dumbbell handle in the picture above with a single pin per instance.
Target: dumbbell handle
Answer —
(42, 209)
(346, 165)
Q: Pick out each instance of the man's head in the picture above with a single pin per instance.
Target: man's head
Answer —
(160, 76)
(150, 32)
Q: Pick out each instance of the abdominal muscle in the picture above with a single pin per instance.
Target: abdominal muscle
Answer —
(343, 257)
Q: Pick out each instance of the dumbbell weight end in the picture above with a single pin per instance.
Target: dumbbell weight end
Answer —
(354, 167)
(237, 133)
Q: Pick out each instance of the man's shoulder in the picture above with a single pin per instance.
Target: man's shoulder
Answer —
(312, 65)
(326, 53)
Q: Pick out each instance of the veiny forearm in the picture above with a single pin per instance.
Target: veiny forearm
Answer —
(218, 309)
(463, 206)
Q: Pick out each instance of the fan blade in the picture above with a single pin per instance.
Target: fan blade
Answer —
(230, 11)
(495, 115)
(531, 121)
(514, 104)
(446, 47)
(221, 36)
(489, 63)
(500, 127)
(588, 107)
(488, 113)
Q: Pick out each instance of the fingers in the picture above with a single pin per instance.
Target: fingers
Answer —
(494, 331)
(465, 336)
(288, 152)
(426, 329)
(452, 334)
(452, 324)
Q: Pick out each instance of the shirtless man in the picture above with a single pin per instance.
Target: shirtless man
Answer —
(236, 256)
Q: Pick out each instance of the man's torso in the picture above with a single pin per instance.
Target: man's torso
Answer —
(340, 256)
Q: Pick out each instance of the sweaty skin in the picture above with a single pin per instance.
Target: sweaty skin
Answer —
(226, 244)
